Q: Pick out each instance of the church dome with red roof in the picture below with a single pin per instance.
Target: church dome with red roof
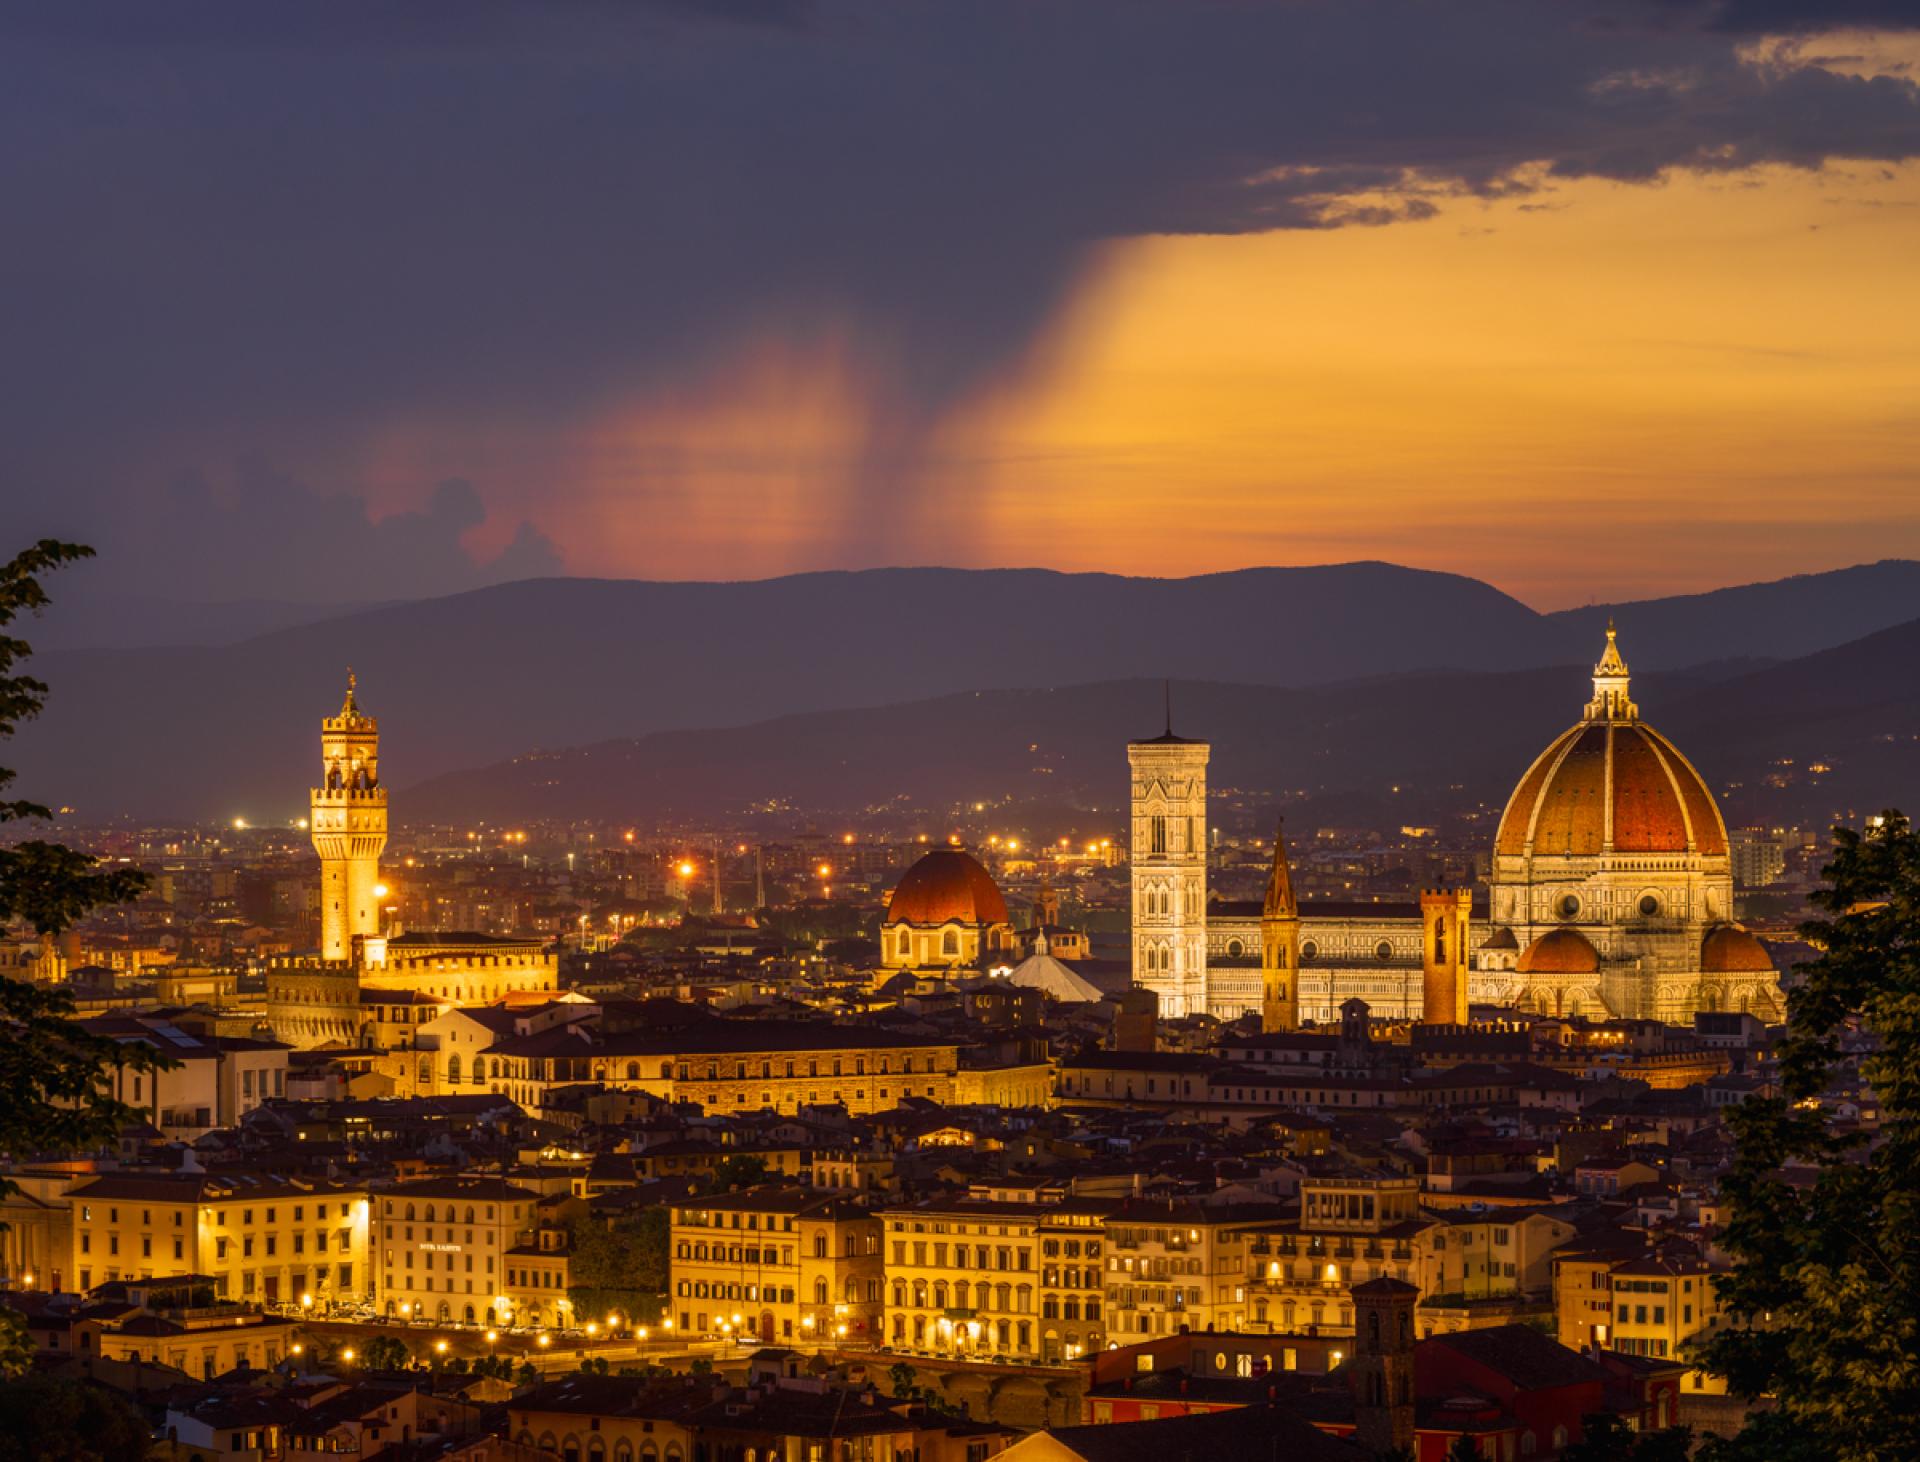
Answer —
(1728, 949)
(947, 886)
(1611, 784)
(1560, 952)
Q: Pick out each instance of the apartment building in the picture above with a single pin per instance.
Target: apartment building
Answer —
(777, 1264)
(1662, 1305)
(1073, 1278)
(263, 1239)
(963, 1277)
(444, 1246)
(1174, 1266)
(1352, 1227)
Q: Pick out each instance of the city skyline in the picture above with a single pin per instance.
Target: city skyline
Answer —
(960, 730)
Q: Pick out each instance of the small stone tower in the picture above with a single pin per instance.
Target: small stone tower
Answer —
(1279, 944)
(1169, 858)
(1380, 1371)
(1443, 954)
(349, 822)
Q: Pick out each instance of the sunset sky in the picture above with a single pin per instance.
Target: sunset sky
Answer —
(1591, 301)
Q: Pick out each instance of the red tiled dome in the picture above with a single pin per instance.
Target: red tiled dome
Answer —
(1728, 949)
(1658, 803)
(1560, 952)
(947, 886)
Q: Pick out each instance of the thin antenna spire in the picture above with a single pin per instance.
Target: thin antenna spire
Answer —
(1166, 687)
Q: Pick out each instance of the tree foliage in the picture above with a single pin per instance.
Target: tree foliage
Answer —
(621, 1267)
(51, 1068)
(46, 1419)
(1604, 1437)
(736, 1171)
(385, 1353)
(1824, 1294)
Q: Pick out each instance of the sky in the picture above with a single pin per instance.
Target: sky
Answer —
(383, 298)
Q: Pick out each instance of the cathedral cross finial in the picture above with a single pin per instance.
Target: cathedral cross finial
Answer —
(353, 682)
(1611, 700)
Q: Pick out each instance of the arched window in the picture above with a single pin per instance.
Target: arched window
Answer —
(820, 1295)
(429, 1213)
(950, 941)
(633, 1071)
(453, 1070)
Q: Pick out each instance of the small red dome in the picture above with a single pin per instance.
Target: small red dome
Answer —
(1728, 949)
(947, 886)
(1560, 952)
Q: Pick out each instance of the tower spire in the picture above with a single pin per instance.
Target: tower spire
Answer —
(1279, 943)
(1280, 902)
(1166, 688)
(348, 707)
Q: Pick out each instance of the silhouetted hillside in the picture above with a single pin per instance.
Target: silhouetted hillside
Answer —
(474, 679)
(1436, 741)
(1773, 621)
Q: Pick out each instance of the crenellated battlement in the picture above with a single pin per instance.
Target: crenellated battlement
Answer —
(473, 963)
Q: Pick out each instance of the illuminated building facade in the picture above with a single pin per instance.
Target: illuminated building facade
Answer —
(945, 913)
(323, 1001)
(1169, 775)
(777, 1264)
(1611, 895)
(257, 1239)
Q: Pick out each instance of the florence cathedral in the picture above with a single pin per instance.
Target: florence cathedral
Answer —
(1611, 896)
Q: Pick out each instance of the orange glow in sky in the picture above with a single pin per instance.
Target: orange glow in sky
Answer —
(1595, 391)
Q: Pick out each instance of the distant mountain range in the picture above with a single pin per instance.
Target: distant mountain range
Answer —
(1420, 744)
(473, 680)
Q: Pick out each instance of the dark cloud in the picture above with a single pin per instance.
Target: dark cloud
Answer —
(237, 228)
(1785, 17)
(260, 534)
